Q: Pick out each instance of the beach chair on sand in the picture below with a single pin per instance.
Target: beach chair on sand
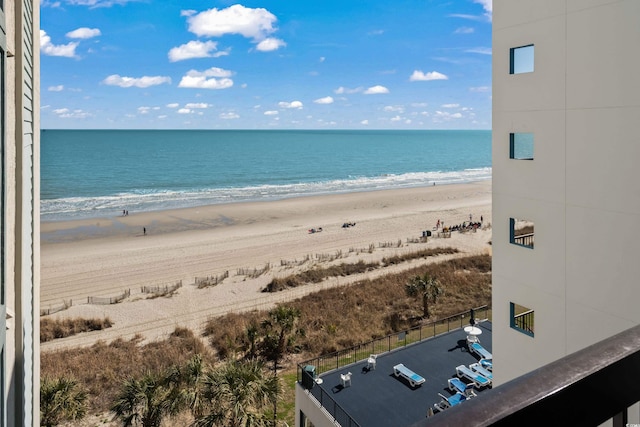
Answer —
(476, 348)
(458, 386)
(448, 402)
(477, 367)
(402, 371)
(478, 380)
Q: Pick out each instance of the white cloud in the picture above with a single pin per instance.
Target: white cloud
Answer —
(65, 113)
(443, 115)
(419, 104)
(293, 104)
(229, 116)
(197, 105)
(270, 44)
(193, 49)
(256, 24)
(394, 108)
(184, 111)
(173, 105)
(376, 33)
(480, 89)
(480, 50)
(97, 3)
(325, 100)
(322, 59)
(66, 50)
(213, 78)
(487, 5)
(58, 88)
(450, 105)
(464, 30)
(342, 90)
(396, 119)
(364, 122)
(375, 90)
(271, 113)
(83, 33)
(145, 81)
(419, 76)
(144, 110)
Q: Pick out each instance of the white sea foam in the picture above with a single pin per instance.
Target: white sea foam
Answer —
(108, 206)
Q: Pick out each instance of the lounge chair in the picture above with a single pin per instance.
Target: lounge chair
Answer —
(487, 364)
(345, 379)
(402, 371)
(478, 380)
(371, 362)
(457, 386)
(477, 367)
(448, 402)
(480, 351)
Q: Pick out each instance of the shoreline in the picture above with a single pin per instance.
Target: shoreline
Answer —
(183, 244)
(208, 216)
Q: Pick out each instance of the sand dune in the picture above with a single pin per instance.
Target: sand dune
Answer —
(104, 257)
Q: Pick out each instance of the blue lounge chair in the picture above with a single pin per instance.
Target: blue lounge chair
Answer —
(448, 402)
(480, 351)
(458, 386)
(402, 371)
(487, 364)
(478, 380)
(477, 367)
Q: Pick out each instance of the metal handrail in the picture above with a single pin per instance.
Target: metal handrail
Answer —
(588, 387)
(391, 342)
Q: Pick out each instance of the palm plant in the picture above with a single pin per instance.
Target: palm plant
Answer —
(238, 393)
(427, 288)
(61, 399)
(192, 377)
(147, 400)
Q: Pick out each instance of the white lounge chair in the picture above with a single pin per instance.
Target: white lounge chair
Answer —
(457, 386)
(371, 362)
(478, 380)
(448, 402)
(477, 367)
(402, 371)
(480, 351)
(345, 379)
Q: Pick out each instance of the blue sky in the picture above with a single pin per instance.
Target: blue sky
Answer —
(271, 64)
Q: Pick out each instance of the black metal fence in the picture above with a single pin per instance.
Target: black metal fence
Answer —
(378, 346)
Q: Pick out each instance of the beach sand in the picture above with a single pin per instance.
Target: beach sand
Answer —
(104, 257)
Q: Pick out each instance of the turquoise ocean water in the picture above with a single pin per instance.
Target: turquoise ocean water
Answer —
(98, 173)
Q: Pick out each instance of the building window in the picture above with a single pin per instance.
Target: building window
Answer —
(304, 421)
(522, 318)
(521, 232)
(521, 146)
(521, 60)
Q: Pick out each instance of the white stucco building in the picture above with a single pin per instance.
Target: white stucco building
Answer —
(19, 202)
(566, 146)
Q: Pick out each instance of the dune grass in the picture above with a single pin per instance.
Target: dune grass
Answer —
(51, 329)
(332, 319)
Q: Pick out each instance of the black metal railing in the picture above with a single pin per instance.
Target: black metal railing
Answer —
(341, 358)
(586, 388)
(524, 321)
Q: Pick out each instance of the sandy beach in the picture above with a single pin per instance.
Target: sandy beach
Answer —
(104, 257)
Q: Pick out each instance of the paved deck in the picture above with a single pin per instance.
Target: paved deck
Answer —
(378, 398)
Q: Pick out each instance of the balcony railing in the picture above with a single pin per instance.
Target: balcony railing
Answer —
(524, 240)
(586, 388)
(378, 346)
(524, 321)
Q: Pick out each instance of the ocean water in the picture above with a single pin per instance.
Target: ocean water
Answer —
(98, 173)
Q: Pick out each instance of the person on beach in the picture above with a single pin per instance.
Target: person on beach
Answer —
(144, 231)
